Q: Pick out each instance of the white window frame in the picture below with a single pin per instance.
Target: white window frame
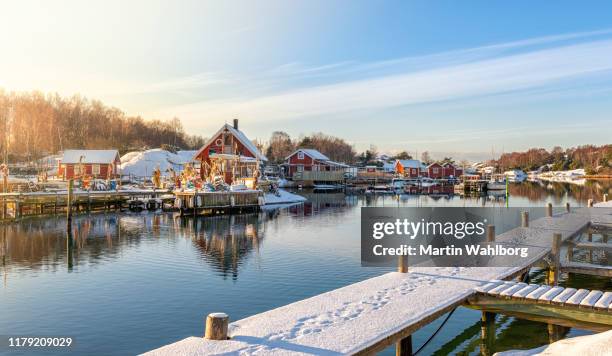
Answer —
(435, 170)
(300, 155)
(95, 169)
(300, 168)
(76, 169)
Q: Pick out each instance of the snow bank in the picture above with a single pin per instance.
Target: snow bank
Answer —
(283, 197)
(597, 344)
(143, 163)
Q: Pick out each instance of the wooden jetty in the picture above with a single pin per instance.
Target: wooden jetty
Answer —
(18, 205)
(210, 203)
(367, 317)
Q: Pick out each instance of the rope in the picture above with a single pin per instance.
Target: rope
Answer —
(435, 332)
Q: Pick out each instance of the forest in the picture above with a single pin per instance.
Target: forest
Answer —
(594, 159)
(35, 124)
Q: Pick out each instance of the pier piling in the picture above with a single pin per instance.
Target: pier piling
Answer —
(590, 203)
(524, 219)
(605, 198)
(69, 202)
(487, 332)
(567, 207)
(490, 233)
(216, 326)
(549, 210)
(402, 264)
(404, 346)
(555, 264)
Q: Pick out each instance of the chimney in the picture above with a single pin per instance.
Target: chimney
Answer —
(236, 124)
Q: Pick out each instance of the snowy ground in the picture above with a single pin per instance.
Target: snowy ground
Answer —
(595, 345)
(143, 163)
(284, 197)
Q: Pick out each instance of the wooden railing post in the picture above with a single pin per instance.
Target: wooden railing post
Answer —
(549, 210)
(216, 326)
(402, 264)
(554, 269)
(524, 219)
(404, 346)
(490, 233)
(69, 202)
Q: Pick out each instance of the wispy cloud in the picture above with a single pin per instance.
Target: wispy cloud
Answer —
(535, 68)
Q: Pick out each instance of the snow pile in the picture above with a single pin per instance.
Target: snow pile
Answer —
(598, 344)
(562, 175)
(143, 163)
(283, 197)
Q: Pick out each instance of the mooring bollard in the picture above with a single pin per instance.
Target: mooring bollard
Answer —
(590, 203)
(216, 326)
(524, 219)
(567, 207)
(555, 254)
(549, 210)
(490, 233)
(402, 264)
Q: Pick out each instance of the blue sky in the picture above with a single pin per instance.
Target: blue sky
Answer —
(449, 77)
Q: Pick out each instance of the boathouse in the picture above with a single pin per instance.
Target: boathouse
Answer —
(92, 163)
(435, 171)
(408, 168)
(452, 171)
(231, 155)
(311, 165)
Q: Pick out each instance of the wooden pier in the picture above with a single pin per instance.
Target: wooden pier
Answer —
(211, 203)
(19, 205)
(369, 316)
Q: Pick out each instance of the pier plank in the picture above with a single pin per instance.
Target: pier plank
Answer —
(577, 297)
(538, 292)
(550, 294)
(502, 287)
(515, 288)
(487, 287)
(604, 302)
(591, 298)
(522, 293)
(564, 295)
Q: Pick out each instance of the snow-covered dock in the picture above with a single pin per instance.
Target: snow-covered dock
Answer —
(368, 316)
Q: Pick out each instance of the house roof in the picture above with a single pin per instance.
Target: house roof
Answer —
(240, 136)
(90, 156)
(434, 164)
(312, 153)
(409, 163)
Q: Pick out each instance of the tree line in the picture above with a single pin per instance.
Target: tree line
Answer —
(36, 124)
(282, 145)
(594, 159)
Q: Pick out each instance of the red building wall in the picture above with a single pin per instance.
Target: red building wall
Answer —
(87, 170)
(217, 146)
(435, 171)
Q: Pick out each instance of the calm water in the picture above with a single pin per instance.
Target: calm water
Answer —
(135, 282)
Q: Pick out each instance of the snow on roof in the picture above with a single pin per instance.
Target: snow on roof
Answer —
(410, 163)
(240, 136)
(312, 153)
(89, 156)
(143, 163)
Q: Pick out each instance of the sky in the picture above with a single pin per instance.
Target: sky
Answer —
(467, 79)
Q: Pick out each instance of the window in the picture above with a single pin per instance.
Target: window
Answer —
(414, 171)
(77, 169)
(300, 155)
(435, 170)
(300, 168)
(95, 169)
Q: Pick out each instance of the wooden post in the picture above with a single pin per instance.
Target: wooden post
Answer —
(549, 210)
(553, 271)
(69, 202)
(590, 203)
(524, 219)
(590, 251)
(605, 197)
(490, 233)
(402, 264)
(487, 333)
(216, 326)
(88, 201)
(567, 207)
(404, 346)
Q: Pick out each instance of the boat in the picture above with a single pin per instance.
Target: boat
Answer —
(515, 175)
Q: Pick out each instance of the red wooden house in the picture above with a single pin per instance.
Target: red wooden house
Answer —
(231, 153)
(435, 171)
(310, 160)
(450, 170)
(93, 163)
(410, 168)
